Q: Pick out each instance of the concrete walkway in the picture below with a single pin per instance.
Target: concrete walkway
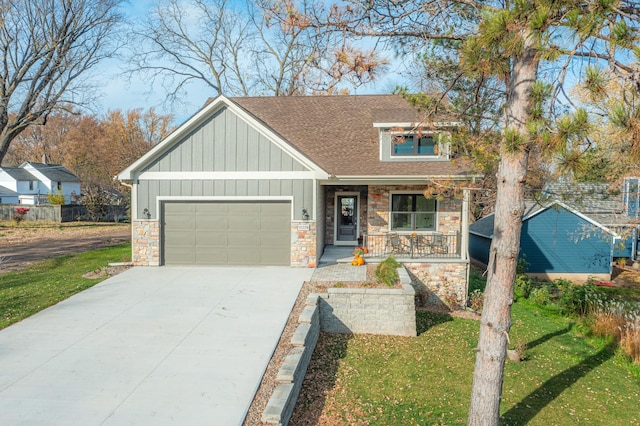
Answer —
(151, 346)
(335, 265)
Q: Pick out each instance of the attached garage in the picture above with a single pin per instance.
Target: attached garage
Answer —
(226, 233)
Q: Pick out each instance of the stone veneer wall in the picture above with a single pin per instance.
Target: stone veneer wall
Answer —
(303, 244)
(449, 211)
(443, 279)
(145, 242)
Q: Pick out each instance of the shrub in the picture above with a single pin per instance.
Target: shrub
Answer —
(386, 271)
(451, 300)
(476, 281)
(56, 199)
(522, 287)
(540, 296)
(630, 340)
(20, 213)
(476, 300)
(575, 299)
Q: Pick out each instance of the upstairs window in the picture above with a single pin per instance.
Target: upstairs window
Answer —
(412, 212)
(32, 185)
(410, 145)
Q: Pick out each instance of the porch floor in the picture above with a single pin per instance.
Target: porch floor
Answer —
(335, 265)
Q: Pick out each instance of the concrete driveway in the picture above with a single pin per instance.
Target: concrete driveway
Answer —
(150, 346)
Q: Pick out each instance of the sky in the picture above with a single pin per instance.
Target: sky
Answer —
(118, 92)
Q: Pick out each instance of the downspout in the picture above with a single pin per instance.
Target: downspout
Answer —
(465, 237)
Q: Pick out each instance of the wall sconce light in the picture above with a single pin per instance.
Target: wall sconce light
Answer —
(305, 214)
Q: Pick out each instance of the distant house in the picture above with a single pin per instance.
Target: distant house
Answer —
(575, 233)
(31, 183)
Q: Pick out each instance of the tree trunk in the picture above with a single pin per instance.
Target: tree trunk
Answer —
(496, 314)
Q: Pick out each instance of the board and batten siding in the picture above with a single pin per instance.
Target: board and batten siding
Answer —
(224, 142)
(301, 190)
(558, 241)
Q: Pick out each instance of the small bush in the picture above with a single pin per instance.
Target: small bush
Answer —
(476, 281)
(522, 287)
(56, 199)
(19, 215)
(575, 299)
(630, 341)
(476, 300)
(540, 296)
(386, 272)
(451, 300)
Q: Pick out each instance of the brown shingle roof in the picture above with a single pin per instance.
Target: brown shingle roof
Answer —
(337, 133)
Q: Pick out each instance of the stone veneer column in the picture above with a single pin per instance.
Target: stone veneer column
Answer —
(303, 243)
(145, 242)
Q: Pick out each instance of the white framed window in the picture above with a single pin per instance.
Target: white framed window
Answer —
(413, 212)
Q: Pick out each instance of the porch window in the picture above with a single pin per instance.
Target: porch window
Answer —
(412, 212)
(414, 145)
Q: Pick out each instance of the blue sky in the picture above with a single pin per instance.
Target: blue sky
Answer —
(120, 93)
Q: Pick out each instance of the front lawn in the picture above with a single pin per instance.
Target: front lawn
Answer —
(382, 380)
(23, 293)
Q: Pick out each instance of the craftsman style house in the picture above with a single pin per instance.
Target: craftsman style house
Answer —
(273, 180)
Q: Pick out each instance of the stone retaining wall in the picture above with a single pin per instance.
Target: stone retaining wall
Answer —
(370, 310)
(291, 374)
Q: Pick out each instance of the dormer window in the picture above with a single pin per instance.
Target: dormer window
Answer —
(414, 145)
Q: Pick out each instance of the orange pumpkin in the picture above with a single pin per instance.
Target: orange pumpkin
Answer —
(360, 261)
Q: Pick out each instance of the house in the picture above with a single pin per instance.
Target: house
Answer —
(273, 180)
(575, 232)
(31, 183)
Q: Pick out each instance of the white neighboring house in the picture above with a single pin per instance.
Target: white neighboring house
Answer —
(31, 183)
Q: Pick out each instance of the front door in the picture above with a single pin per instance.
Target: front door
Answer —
(346, 220)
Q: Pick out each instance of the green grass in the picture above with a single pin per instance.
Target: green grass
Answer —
(46, 283)
(565, 379)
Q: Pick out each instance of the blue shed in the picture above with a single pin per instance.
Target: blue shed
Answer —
(556, 242)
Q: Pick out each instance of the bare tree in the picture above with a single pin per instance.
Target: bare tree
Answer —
(244, 49)
(47, 47)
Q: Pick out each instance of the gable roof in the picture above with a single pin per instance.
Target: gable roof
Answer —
(338, 133)
(19, 174)
(484, 227)
(53, 172)
(4, 191)
(332, 134)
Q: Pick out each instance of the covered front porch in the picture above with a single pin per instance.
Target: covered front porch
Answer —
(393, 220)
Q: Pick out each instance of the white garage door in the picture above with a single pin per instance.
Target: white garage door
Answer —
(227, 233)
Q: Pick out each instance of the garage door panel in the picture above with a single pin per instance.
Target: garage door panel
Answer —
(181, 209)
(227, 233)
(244, 223)
(211, 239)
(214, 222)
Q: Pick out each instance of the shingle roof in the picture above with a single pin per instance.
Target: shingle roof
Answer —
(19, 174)
(7, 192)
(337, 133)
(55, 172)
(587, 197)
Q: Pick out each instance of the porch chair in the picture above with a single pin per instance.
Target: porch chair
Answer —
(396, 244)
(439, 244)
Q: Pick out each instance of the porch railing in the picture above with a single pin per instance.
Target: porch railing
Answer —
(403, 246)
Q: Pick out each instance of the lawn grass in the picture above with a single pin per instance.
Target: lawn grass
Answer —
(23, 293)
(565, 378)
